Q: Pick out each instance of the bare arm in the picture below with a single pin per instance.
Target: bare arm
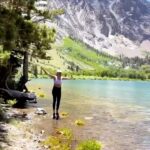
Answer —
(50, 75)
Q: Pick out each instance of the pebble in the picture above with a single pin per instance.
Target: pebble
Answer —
(40, 111)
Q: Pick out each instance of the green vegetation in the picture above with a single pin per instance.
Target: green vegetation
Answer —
(61, 141)
(64, 138)
(11, 102)
(4, 56)
(21, 38)
(41, 95)
(54, 143)
(64, 114)
(51, 14)
(80, 122)
(65, 133)
(89, 145)
(19, 32)
(101, 65)
(15, 122)
(81, 52)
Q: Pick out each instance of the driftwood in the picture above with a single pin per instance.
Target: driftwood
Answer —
(19, 96)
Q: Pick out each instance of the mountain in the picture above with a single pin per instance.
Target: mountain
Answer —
(114, 26)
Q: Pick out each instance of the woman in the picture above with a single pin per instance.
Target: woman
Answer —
(56, 91)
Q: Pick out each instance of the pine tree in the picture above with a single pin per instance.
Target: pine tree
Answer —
(18, 31)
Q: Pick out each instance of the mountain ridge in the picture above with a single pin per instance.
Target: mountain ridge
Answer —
(117, 27)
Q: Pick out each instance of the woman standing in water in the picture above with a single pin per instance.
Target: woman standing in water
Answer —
(56, 91)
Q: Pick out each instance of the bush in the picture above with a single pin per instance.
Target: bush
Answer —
(90, 145)
(62, 141)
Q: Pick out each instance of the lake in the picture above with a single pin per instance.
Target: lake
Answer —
(115, 112)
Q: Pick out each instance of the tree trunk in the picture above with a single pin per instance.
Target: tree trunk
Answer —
(25, 66)
(24, 78)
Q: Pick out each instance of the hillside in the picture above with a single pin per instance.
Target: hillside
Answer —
(73, 55)
(113, 26)
(76, 58)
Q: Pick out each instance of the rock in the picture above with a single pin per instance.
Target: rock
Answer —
(24, 115)
(42, 132)
(40, 111)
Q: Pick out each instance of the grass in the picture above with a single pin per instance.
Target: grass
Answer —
(78, 61)
(82, 53)
(62, 140)
(11, 102)
(80, 122)
(90, 145)
(54, 143)
(42, 95)
(65, 133)
(15, 122)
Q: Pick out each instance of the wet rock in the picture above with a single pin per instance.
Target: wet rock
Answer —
(40, 111)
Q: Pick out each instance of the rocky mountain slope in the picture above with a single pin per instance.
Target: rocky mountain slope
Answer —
(114, 26)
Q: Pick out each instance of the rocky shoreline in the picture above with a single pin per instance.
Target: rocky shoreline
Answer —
(17, 130)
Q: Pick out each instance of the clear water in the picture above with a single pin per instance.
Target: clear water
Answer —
(125, 92)
(117, 91)
(121, 91)
(120, 111)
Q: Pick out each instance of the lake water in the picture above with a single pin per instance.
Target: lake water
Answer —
(116, 112)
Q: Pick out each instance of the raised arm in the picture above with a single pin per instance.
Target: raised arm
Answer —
(50, 75)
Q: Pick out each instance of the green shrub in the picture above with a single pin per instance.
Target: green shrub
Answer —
(11, 102)
(55, 143)
(80, 122)
(65, 133)
(62, 141)
(90, 145)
